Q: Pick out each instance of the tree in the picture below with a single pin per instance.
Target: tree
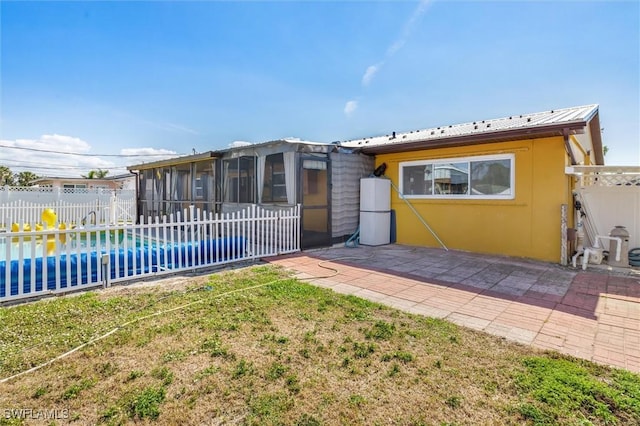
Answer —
(26, 178)
(96, 174)
(6, 176)
(605, 149)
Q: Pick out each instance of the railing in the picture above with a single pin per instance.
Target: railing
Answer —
(109, 206)
(60, 260)
(605, 175)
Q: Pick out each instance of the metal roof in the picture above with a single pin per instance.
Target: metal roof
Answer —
(175, 161)
(539, 123)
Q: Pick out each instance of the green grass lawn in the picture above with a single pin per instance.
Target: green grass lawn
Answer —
(237, 351)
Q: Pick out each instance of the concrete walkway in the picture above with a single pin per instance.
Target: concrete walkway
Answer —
(591, 315)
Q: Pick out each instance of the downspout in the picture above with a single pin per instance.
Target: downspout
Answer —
(137, 193)
(567, 145)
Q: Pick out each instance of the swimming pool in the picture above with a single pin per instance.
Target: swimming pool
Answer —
(70, 270)
(31, 247)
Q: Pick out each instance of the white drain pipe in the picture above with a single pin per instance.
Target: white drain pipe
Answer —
(597, 250)
(618, 246)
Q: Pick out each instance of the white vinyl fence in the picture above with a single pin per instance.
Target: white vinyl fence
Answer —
(610, 196)
(59, 260)
(25, 205)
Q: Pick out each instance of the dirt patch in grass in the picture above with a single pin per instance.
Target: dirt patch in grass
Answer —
(285, 352)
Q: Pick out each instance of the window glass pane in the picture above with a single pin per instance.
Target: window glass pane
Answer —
(451, 178)
(204, 180)
(247, 180)
(492, 177)
(417, 180)
(278, 178)
(230, 172)
(274, 188)
(481, 177)
(239, 180)
(181, 183)
(315, 165)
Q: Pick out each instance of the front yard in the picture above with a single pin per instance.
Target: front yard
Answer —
(257, 347)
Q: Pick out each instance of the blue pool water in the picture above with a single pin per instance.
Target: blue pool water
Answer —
(86, 242)
(77, 269)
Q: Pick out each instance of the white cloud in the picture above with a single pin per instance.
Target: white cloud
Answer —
(148, 151)
(174, 127)
(53, 142)
(57, 163)
(69, 143)
(408, 27)
(162, 125)
(399, 42)
(350, 107)
(370, 73)
(60, 162)
(236, 144)
(146, 155)
(397, 45)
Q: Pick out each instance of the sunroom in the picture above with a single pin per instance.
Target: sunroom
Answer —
(322, 178)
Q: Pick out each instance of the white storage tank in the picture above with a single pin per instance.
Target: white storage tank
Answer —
(375, 211)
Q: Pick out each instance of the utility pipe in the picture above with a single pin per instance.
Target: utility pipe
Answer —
(596, 249)
(587, 252)
(618, 246)
(418, 215)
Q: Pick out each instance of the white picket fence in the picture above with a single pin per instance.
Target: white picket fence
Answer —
(60, 260)
(70, 206)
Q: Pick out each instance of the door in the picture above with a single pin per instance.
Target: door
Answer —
(315, 191)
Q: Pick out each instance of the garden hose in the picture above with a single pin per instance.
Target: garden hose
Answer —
(353, 240)
(93, 340)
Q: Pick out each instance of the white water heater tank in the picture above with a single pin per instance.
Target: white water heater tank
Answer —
(375, 211)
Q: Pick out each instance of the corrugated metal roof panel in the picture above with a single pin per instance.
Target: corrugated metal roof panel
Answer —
(574, 115)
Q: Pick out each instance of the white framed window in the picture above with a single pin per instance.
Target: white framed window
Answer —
(480, 177)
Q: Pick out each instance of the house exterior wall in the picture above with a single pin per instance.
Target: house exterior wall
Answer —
(88, 183)
(346, 172)
(526, 226)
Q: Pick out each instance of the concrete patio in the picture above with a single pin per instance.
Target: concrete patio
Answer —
(591, 314)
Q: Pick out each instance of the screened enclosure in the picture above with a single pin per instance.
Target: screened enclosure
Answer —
(165, 188)
(322, 178)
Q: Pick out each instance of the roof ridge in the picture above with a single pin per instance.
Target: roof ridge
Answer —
(582, 112)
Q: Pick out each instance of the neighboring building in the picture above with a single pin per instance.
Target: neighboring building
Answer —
(323, 178)
(124, 182)
(490, 186)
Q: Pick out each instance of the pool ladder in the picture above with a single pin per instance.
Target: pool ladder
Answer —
(83, 221)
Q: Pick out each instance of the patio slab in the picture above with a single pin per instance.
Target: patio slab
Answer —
(586, 314)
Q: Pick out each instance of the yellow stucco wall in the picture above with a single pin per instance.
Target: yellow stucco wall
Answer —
(526, 226)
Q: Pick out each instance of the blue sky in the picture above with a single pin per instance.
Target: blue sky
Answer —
(172, 77)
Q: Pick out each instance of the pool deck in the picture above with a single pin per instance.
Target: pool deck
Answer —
(593, 314)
